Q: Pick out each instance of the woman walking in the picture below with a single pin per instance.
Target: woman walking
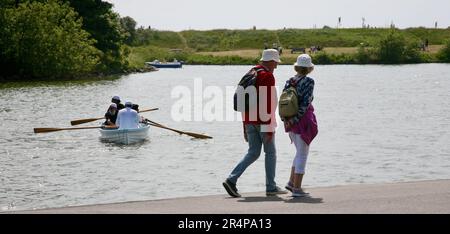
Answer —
(299, 119)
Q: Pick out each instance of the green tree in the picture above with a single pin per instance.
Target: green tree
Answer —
(129, 26)
(104, 26)
(45, 40)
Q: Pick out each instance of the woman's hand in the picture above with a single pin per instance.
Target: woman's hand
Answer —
(288, 123)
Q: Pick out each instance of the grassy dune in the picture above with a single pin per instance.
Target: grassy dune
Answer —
(251, 53)
(224, 46)
(225, 40)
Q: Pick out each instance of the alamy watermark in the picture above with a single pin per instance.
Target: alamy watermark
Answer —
(216, 103)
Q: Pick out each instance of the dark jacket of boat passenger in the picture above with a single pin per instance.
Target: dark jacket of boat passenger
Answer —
(111, 115)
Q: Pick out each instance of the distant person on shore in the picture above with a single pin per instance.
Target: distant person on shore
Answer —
(297, 113)
(259, 132)
(127, 117)
(116, 99)
(111, 115)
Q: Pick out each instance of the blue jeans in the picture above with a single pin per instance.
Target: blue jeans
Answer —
(256, 139)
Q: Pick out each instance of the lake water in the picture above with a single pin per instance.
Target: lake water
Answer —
(376, 124)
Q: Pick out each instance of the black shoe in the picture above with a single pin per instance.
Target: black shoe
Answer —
(231, 188)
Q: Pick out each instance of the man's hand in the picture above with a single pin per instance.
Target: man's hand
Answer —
(269, 137)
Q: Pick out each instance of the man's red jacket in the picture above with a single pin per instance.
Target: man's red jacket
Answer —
(265, 80)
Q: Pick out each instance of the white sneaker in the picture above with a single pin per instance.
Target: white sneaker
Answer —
(299, 193)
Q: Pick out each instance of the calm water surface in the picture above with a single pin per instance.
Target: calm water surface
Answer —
(376, 124)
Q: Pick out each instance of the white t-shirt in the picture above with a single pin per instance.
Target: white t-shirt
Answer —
(127, 119)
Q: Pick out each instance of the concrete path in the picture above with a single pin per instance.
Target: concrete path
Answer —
(411, 197)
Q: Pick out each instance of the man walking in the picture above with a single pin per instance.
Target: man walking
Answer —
(260, 131)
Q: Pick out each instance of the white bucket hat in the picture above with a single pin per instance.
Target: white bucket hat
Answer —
(304, 60)
(270, 55)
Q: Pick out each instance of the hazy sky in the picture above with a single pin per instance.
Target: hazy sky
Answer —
(275, 14)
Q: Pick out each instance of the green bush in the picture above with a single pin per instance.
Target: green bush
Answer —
(322, 58)
(412, 53)
(395, 49)
(364, 55)
(45, 40)
(343, 58)
(444, 54)
(391, 48)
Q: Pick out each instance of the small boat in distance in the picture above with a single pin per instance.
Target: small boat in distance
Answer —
(158, 64)
(125, 136)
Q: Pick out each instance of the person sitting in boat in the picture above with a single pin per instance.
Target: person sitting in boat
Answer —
(111, 115)
(127, 118)
(136, 108)
(116, 99)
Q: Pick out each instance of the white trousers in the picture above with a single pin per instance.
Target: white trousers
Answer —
(301, 154)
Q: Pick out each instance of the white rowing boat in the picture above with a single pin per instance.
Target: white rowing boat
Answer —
(125, 136)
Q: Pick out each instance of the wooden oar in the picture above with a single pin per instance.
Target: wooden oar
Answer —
(192, 134)
(42, 130)
(82, 121)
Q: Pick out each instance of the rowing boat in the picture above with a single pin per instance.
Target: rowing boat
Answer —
(159, 64)
(125, 136)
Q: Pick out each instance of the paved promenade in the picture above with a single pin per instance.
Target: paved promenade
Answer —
(410, 197)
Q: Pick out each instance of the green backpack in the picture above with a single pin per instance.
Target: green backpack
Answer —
(288, 103)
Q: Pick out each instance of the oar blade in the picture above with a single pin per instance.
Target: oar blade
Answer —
(192, 134)
(43, 130)
(197, 135)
